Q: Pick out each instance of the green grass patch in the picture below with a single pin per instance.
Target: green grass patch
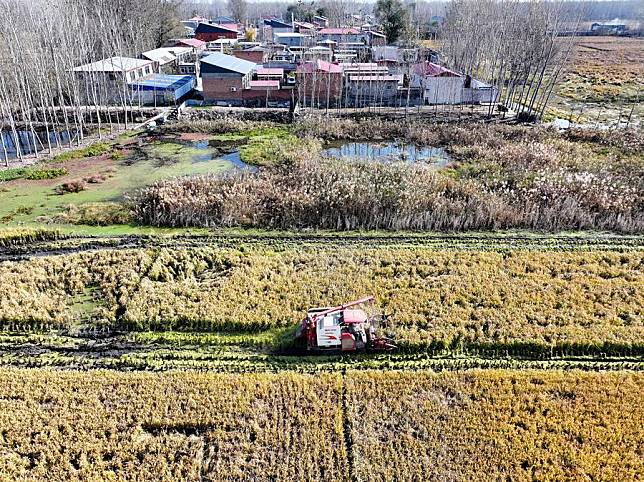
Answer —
(271, 150)
(93, 150)
(32, 173)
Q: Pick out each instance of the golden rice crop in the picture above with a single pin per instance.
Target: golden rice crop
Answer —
(454, 298)
(367, 426)
(117, 426)
(496, 425)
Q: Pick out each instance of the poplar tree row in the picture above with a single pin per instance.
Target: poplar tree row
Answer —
(43, 105)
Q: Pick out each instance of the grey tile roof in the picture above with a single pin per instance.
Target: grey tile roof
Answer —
(229, 62)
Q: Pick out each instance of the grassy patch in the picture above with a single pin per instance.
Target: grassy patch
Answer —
(32, 173)
(93, 150)
(95, 214)
(278, 148)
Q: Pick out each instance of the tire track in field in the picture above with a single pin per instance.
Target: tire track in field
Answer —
(464, 241)
(346, 425)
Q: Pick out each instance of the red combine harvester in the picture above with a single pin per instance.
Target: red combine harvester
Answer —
(342, 328)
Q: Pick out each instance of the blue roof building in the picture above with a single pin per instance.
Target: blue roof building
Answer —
(160, 89)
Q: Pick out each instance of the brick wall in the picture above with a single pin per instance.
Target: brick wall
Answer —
(250, 55)
(218, 87)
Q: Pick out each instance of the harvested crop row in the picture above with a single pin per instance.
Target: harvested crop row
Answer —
(473, 425)
(434, 297)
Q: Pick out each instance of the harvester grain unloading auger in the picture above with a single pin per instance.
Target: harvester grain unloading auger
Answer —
(342, 328)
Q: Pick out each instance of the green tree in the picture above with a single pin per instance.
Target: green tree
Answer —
(393, 18)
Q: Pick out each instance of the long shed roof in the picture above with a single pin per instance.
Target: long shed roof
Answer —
(113, 64)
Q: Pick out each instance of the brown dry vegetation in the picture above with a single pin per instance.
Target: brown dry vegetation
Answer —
(501, 177)
(115, 426)
(474, 425)
(435, 298)
(604, 69)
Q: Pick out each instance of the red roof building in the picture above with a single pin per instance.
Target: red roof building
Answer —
(196, 44)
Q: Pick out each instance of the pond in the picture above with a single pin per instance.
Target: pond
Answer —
(195, 155)
(206, 150)
(25, 141)
(388, 151)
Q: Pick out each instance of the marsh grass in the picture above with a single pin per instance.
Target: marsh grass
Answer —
(500, 177)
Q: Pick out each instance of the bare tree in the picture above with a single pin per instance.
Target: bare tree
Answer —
(513, 45)
(238, 9)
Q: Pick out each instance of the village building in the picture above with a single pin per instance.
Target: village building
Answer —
(269, 73)
(222, 19)
(192, 23)
(320, 21)
(608, 28)
(255, 54)
(225, 77)
(290, 39)
(168, 59)
(273, 26)
(207, 32)
(197, 46)
(363, 68)
(440, 85)
(344, 35)
(375, 89)
(319, 83)
(127, 79)
(305, 28)
(161, 89)
(118, 68)
(318, 53)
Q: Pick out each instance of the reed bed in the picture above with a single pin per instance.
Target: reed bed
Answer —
(500, 177)
(335, 194)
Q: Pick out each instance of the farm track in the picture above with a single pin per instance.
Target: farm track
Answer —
(460, 241)
(123, 355)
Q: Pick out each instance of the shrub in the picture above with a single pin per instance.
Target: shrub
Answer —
(46, 173)
(71, 187)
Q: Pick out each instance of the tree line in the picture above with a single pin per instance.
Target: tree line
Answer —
(41, 43)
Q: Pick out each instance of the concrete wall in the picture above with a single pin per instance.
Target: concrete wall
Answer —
(375, 91)
(443, 90)
(450, 90)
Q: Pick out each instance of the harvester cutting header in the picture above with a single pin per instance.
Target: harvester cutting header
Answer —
(342, 328)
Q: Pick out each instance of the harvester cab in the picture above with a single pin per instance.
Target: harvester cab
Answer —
(344, 328)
